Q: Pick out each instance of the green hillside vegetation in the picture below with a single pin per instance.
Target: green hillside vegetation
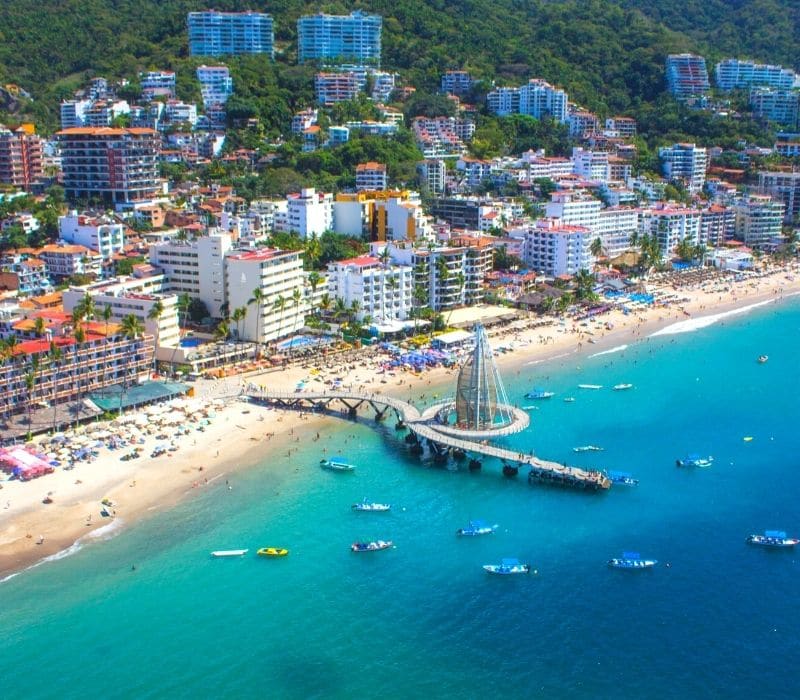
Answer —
(608, 55)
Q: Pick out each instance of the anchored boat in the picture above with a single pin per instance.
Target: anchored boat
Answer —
(336, 464)
(475, 528)
(622, 387)
(632, 560)
(371, 507)
(773, 538)
(694, 460)
(539, 394)
(375, 546)
(507, 567)
(587, 448)
(622, 478)
(590, 386)
(229, 553)
(272, 552)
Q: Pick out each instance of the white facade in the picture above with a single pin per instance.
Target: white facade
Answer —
(432, 175)
(177, 112)
(554, 248)
(592, 165)
(784, 187)
(102, 234)
(687, 75)
(686, 162)
(672, 225)
(371, 176)
(216, 84)
(733, 74)
(157, 83)
(781, 106)
(73, 113)
(383, 292)
(759, 220)
(133, 295)
(196, 268)
(279, 275)
(309, 213)
(536, 98)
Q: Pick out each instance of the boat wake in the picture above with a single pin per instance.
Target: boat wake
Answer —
(696, 324)
(611, 351)
(101, 534)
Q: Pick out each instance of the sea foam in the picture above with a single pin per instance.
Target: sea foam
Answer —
(610, 351)
(695, 324)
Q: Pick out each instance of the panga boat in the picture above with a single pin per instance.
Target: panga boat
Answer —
(773, 538)
(372, 507)
(507, 567)
(622, 387)
(632, 560)
(622, 478)
(370, 546)
(763, 358)
(694, 460)
(272, 552)
(336, 464)
(587, 448)
(590, 386)
(539, 394)
(230, 552)
(475, 528)
(569, 399)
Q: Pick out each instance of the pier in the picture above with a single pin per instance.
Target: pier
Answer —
(440, 438)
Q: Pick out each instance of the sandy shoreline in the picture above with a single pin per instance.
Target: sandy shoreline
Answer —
(242, 434)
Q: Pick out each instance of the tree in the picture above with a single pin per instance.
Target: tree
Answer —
(131, 328)
(584, 285)
(155, 313)
(279, 304)
(596, 248)
(55, 356)
(87, 306)
(30, 385)
(222, 331)
(257, 299)
(297, 297)
(237, 317)
(184, 302)
(39, 327)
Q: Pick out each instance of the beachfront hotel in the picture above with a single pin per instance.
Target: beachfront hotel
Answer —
(33, 376)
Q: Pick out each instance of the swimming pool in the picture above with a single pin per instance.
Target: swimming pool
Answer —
(303, 341)
(190, 342)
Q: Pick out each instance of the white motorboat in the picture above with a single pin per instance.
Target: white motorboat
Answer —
(507, 567)
(590, 386)
(229, 553)
(371, 507)
(622, 387)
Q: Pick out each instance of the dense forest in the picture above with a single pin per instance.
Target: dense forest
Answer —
(608, 54)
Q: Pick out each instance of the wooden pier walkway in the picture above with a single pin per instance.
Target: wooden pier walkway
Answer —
(439, 436)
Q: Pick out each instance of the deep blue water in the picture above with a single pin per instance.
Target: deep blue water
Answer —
(423, 620)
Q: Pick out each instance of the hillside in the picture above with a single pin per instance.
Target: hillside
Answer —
(608, 54)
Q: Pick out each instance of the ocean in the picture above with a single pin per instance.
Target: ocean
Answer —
(715, 618)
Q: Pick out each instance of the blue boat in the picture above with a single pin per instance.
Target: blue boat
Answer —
(632, 560)
(622, 478)
(694, 460)
(475, 528)
(539, 394)
(507, 567)
(773, 538)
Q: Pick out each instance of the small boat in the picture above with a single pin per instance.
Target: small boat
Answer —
(772, 538)
(590, 386)
(694, 460)
(539, 394)
(622, 478)
(272, 552)
(569, 399)
(632, 560)
(530, 408)
(371, 507)
(587, 448)
(229, 553)
(507, 567)
(622, 387)
(370, 546)
(763, 358)
(336, 464)
(475, 528)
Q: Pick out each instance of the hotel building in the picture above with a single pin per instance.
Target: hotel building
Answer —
(354, 38)
(214, 33)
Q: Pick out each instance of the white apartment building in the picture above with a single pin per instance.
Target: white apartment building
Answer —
(671, 225)
(581, 123)
(549, 168)
(307, 213)
(759, 220)
(64, 260)
(177, 112)
(137, 296)
(573, 209)
(73, 113)
(157, 83)
(554, 248)
(733, 74)
(371, 176)
(383, 292)
(623, 127)
(781, 106)
(216, 84)
(615, 226)
(717, 224)
(783, 187)
(196, 268)
(592, 165)
(685, 162)
(101, 233)
(536, 98)
(278, 274)
(432, 174)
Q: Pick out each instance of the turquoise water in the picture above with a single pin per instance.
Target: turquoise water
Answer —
(423, 620)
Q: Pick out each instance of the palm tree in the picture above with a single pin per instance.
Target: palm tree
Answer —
(39, 327)
(156, 310)
(258, 299)
(297, 297)
(279, 304)
(222, 331)
(314, 278)
(55, 356)
(30, 384)
(325, 303)
(131, 328)
(106, 314)
(80, 339)
(87, 306)
(184, 302)
(237, 317)
(313, 250)
(584, 284)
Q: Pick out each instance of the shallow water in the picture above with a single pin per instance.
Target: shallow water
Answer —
(424, 620)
